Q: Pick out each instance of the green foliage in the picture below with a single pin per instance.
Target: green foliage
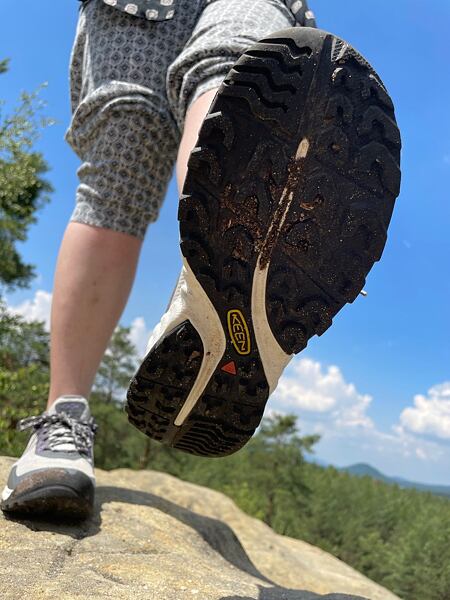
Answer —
(115, 437)
(273, 463)
(22, 392)
(24, 372)
(22, 344)
(397, 537)
(117, 366)
(22, 186)
(265, 478)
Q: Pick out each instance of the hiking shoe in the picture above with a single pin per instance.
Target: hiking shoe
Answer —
(285, 208)
(55, 474)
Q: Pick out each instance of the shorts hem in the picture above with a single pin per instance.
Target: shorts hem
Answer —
(205, 86)
(86, 215)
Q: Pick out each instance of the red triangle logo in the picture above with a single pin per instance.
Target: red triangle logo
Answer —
(229, 367)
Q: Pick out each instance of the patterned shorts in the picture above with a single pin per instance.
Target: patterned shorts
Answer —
(132, 81)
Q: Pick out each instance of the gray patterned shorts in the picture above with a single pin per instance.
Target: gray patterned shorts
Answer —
(132, 81)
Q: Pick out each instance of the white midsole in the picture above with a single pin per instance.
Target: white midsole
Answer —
(272, 356)
(191, 303)
(6, 493)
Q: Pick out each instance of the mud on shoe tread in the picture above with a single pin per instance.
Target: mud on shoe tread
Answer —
(297, 166)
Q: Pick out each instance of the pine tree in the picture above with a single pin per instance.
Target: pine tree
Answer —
(277, 459)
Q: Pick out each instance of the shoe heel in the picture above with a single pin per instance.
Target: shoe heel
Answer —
(162, 383)
(224, 416)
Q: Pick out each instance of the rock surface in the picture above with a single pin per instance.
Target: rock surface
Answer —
(155, 537)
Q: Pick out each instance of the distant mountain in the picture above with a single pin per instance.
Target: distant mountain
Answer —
(363, 469)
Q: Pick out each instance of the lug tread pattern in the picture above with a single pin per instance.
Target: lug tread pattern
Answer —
(224, 418)
(294, 85)
(162, 383)
(266, 78)
(333, 236)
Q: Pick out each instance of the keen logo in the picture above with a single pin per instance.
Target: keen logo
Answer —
(238, 330)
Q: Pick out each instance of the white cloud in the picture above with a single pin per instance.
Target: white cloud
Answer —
(395, 452)
(139, 335)
(36, 309)
(323, 391)
(430, 414)
(327, 404)
(420, 453)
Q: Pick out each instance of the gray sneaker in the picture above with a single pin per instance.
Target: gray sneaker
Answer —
(55, 474)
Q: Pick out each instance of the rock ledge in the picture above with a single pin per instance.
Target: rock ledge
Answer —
(154, 537)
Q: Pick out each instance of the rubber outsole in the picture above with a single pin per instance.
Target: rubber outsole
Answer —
(57, 502)
(296, 170)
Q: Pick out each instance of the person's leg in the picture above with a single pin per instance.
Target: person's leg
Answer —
(94, 275)
(127, 139)
(193, 122)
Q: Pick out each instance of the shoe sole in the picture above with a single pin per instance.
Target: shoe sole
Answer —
(285, 209)
(56, 502)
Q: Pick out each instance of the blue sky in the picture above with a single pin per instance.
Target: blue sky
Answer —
(377, 384)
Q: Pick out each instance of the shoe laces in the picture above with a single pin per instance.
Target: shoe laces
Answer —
(57, 429)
